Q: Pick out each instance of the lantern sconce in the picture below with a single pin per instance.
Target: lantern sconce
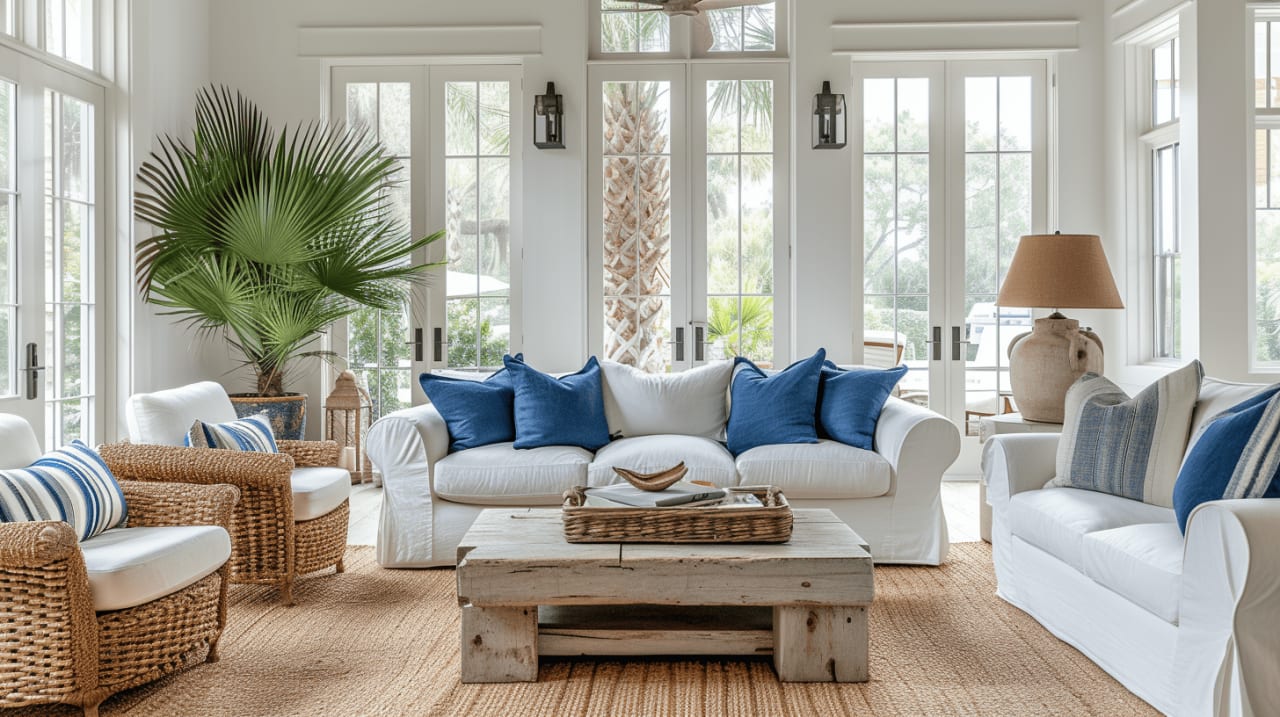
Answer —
(830, 121)
(548, 119)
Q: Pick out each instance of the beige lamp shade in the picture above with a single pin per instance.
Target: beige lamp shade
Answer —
(1060, 271)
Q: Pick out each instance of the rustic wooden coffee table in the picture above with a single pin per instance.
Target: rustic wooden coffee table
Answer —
(525, 592)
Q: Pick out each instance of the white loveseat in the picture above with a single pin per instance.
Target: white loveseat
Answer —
(1188, 624)
(890, 496)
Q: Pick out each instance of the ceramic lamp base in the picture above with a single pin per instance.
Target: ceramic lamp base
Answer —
(1045, 362)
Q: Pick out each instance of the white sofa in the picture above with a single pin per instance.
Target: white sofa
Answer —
(890, 496)
(1191, 625)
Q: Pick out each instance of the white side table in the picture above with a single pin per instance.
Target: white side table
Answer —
(993, 426)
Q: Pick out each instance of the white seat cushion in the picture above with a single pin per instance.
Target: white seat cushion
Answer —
(317, 491)
(826, 469)
(706, 459)
(132, 566)
(1140, 562)
(499, 474)
(1057, 519)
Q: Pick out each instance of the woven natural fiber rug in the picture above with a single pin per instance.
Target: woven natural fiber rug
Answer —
(384, 642)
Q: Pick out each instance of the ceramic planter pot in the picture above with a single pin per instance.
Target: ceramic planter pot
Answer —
(288, 413)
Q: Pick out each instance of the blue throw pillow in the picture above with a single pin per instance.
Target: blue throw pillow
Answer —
(252, 433)
(781, 408)
(71, 484)
(1237, 456)
(558, 412)
(477, 413)
(850, 401)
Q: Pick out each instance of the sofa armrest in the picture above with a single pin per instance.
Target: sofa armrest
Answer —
(919, 444)
(404, 447)
(1228, 656)
(1018, 462)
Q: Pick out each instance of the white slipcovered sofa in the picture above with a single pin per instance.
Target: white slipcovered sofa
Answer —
(1191, 625)
(890, 496)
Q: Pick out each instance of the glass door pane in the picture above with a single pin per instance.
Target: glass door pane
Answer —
(898, 146)
(636, 222)
(998, 211)
(377, 341)
(8, 246)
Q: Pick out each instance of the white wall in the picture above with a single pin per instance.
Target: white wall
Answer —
(169, 62)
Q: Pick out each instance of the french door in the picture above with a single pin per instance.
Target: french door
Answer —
(688, 213)
(953, 172)
(455, 132)
(51, 250)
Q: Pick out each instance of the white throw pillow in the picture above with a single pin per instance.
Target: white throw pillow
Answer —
(689, 403)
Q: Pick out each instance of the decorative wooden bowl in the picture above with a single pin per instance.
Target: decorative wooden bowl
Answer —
(654, 481)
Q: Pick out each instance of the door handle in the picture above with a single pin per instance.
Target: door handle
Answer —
(416, 344)
(679, 344)
(32, 369)
(956, 342)
(936, 343)
(699, 341)
(437, 344)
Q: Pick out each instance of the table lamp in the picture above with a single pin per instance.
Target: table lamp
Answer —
(1055, 271)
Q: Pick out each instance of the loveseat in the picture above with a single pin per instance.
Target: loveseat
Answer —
(889, 495)
(1188, 624)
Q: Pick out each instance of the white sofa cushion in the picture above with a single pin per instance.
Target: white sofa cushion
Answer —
(499, 474)
(1057, 519)
(318, 490)
(688, 403)
(164, 417)
(132, 566)
(826, 469)
(1140, 562)
(706, 459)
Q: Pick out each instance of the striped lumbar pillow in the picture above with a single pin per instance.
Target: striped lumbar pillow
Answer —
(247, 434)
(1130, 447)
(71, 484)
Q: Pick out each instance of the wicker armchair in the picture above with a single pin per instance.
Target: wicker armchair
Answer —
(55, 648)
(268, 547)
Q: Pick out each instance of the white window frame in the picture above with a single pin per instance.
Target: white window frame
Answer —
(681, 47)
(1259, 119)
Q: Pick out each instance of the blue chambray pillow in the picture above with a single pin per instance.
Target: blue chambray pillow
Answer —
(850, 402)
(771, 409)
(1236, 456)
(71, 484)
(246, 434)
(477, 413)
(568, 411)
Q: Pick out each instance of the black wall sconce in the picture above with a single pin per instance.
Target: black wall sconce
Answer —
(830, 121)
(548, 119)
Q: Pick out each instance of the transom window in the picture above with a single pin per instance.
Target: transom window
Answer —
(688, 28)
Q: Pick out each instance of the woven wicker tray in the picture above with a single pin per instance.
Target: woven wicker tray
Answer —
(768, 524)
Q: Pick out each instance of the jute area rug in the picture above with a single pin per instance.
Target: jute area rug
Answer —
(383, 642)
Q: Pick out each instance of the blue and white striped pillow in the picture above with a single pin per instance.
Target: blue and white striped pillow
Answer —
(247, 434)
(71, 484)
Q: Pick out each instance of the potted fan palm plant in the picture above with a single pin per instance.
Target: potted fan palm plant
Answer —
(267, 238)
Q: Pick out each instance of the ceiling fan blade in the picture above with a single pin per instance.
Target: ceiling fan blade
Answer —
(729, 4)
(703, 38)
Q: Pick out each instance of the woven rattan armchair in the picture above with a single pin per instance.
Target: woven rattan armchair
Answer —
(268, 546)
(55, 649)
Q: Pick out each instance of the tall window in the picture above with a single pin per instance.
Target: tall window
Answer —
(69, 245)
(478, 222)
(1161, 149)
(1267, 190)
(8, 223)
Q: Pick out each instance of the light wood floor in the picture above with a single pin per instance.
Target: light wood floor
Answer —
(959, 501)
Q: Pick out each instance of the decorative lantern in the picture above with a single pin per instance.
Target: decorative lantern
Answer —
(830, 121)
(548, 119)
(348, 412)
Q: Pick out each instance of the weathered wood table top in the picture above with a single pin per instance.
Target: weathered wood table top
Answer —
(515, 567)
